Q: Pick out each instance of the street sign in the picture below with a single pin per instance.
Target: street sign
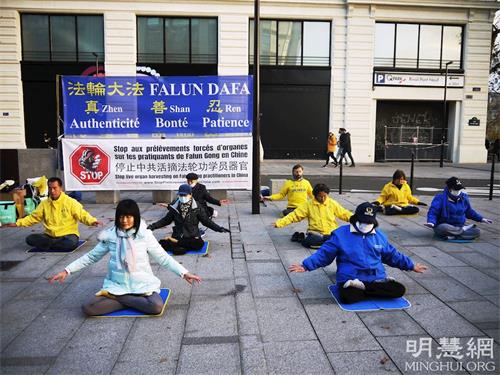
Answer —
(89, 164)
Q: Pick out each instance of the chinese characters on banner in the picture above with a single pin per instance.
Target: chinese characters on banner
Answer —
(198, 106)
(156, 164)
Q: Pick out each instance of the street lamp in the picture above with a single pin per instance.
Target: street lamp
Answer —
(443, 137)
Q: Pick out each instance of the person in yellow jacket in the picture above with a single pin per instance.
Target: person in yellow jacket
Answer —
(330, 150)
(396, 198)
(321, 212)
(60, 215)
(297, 190)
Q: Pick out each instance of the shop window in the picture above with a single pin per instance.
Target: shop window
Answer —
(292, 43)
(62, 37)
(177, 40)
(417, 46)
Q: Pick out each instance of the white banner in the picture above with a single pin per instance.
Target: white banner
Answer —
(156, 164)
(423, 80)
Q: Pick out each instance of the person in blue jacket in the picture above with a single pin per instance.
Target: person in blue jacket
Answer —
(448, 212)
(360, 252)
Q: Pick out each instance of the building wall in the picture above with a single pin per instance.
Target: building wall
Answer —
(352, 97)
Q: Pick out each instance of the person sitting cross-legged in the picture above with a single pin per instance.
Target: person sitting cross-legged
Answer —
(361, 251)
(297, 191)
(59, 215)
(449, 210)
(186, 214)
(321, 212)
(396, 198)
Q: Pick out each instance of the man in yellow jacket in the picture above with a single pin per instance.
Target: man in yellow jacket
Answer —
(297, 190)
(321, 213)
(60, 215)
(396, 198)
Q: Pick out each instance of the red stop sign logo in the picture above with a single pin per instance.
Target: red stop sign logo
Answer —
(89, 164)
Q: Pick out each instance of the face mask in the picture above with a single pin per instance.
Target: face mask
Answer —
(184, 199)
(456, 193)
(364, 227)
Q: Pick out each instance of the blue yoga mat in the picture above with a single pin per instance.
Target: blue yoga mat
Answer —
(38, 250)
(202, 251)
(372, 304)
(132, 313)
(456, 240)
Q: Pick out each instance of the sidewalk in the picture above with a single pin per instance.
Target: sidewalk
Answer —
(250, 315)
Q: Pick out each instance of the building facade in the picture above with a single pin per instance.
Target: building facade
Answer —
(374, 67)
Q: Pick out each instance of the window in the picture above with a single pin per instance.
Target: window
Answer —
(177, 40)
(292, 43)
(417, 46)
(62, 37)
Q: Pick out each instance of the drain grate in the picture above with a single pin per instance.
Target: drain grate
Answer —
(6, 265)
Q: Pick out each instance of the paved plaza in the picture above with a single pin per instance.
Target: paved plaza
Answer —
(249, 315)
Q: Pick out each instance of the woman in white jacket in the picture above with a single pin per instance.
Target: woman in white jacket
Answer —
(130, 281)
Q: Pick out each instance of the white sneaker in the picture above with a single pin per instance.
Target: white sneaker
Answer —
(214, 215)
(354, 284)
(467, 227)
(397, 208)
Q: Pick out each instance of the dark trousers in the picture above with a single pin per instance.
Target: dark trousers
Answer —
(348, 154)
(182, 245)
(100, 305)
(383, 289)
(406, 210)
(314, 239)
(43, 241)
(331, 155)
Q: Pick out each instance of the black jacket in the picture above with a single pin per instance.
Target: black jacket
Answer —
(186, 227)
(345, 141)
(202, 196)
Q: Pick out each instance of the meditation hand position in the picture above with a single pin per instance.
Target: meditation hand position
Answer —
(130, 281)
(360, 252)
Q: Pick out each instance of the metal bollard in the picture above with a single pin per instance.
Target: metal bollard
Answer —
(492, 176)
(340, 177)
(411, 170)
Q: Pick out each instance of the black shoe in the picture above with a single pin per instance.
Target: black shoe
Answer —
(295, 237)
(301, 237)
(352, 165)
(324, 166)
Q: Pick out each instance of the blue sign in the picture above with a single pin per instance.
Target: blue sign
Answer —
(151, 105)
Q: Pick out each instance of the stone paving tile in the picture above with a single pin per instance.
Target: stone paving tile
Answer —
(397, 349)
(32, 267)
(209, 359)
(211, 316)
(55, 326)
(283, 319)
(490, 250)
(78, 292)
(477, 311)
(338, 330)
(390, 323)
(260, 252)
(438, 319)
(297, 357)
(215, 288)
(94, 348)
(374, 362)
(162, 337)
(448, 289)
(246, 315)
(9, 290)
(271, 286)
(478, 260)
(437, 258)
(474, 279)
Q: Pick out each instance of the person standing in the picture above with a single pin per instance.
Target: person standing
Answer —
(345, 145)
(330, 150)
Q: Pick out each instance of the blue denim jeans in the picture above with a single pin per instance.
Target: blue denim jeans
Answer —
(445, 230)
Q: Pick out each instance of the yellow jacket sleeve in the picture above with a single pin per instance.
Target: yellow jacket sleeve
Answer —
(80, 214)
(384, 195)
(309, 190)
(282, 194)
(34, 218)
(411, 199)
(341, 212)
(300, 213)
